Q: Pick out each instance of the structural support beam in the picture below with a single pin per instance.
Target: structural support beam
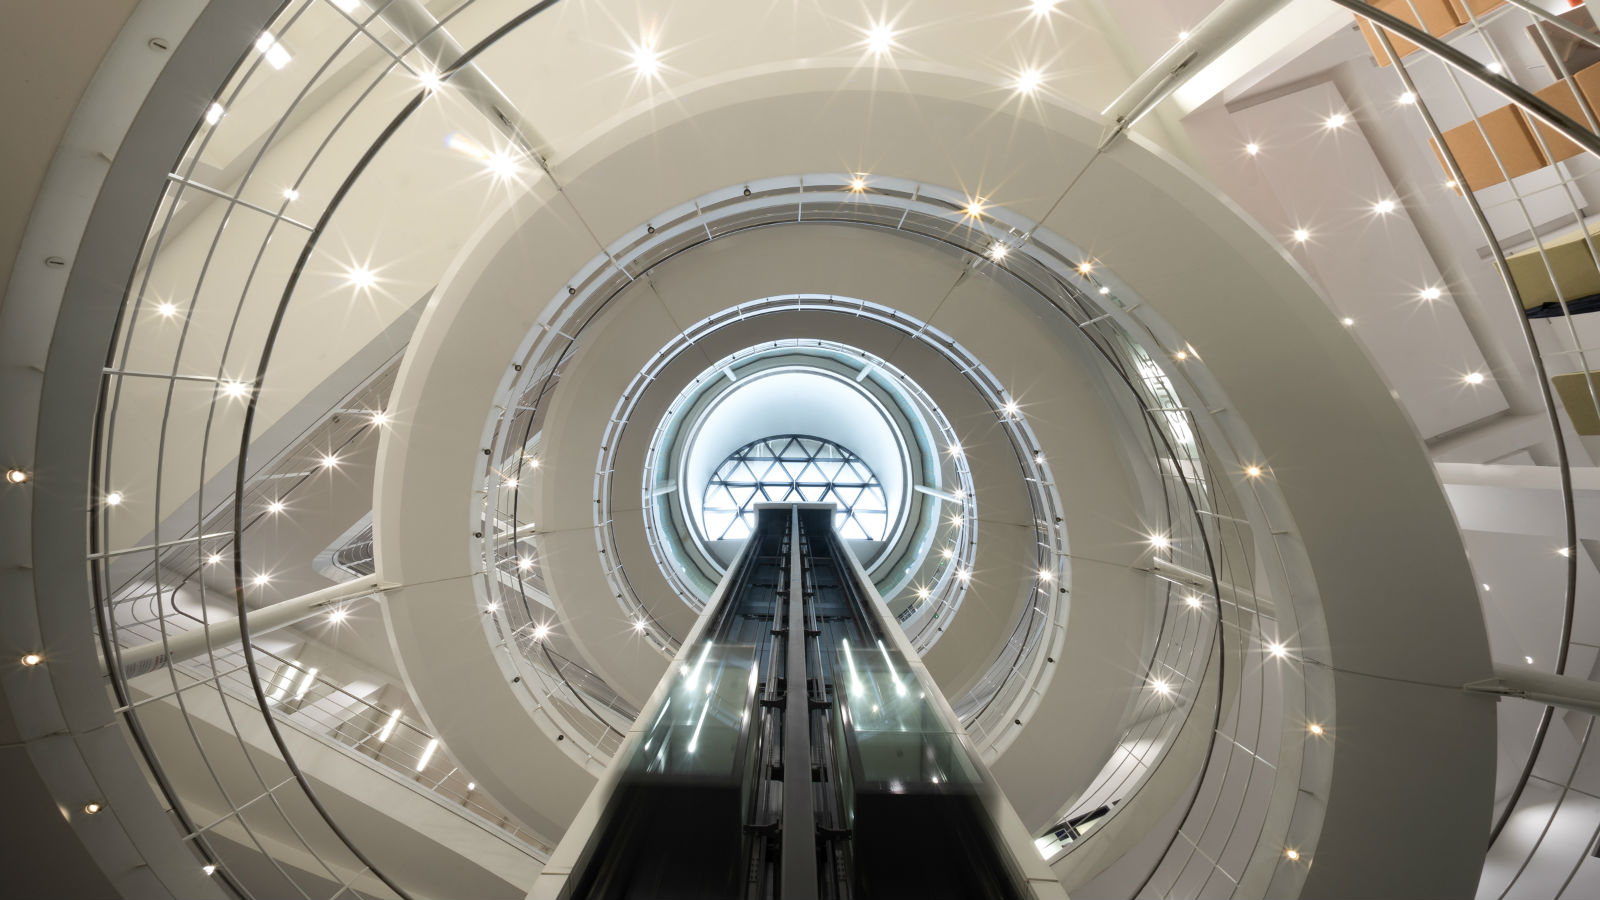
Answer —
(189, 644)
(1527, 500)
(1218, 32)
(1541, 687)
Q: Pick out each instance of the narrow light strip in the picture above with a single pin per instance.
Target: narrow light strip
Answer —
(305, 684)
(388, 727)
(284, 680)
(893, 675)
(427, 753)
(695, 738)
(855, 678)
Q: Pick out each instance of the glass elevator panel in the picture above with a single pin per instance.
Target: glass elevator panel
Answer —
(792, 750)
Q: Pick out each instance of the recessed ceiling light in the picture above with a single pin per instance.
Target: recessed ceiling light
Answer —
(524, 564)
(1278, 650)
(1252, 148)
(114, 498)
(1528, 660)
(166, 309)
(1038, 459)
(16, 476)
(1314, 728)
(1486, 587)
(492, 606)
(1473, 378)
(92, 808)
(1161, 687)
(214, 113)
(261, 579)
(1431, 293)
(291, 195)
(880, 38)
(430, 79)
(1181, 355)
(1183, 36)
(1011, 409)
(32, 659)
(974, 207)
(1383, 207)
(1193, 600)
(541, 631)
(1160, 541)
(338, 614)
(923, 593)
(1046, 575)
(963, 575)
(1028, 81)
(1301, 235)
(1104, 289)
(1085, 267)
(329, 461)
(235, 389)
(955, 519)
(275, 507)
(1564, 551)
(1495, 68)
(502, 165)
(380, 418)
(1348, 321)
(947, 552)
(858, 183)
(360, 277)
(348, 6)
(213, 559)
(645, 59)
(997, 251)
(1336, 120)
(1253, 471)
(1292, 854)
(1408, 98)
(954, 449)
(209, 869)
(1041, 8)
(638, 626)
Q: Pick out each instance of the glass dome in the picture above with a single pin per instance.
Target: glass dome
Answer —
(794, 468)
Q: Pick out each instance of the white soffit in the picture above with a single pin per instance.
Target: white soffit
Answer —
(1372, 266)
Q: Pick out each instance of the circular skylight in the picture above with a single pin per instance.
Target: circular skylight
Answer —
(794, 468)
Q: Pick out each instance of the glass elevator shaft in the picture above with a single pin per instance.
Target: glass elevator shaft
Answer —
(794, 751)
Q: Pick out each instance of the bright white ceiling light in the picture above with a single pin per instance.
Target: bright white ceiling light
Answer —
(963, 575)
(1183, 36)
(541, 631)
(1301, 235)
(1253, 471)
(1181, 355)
(645, 59)
(880, 38)
(1041, 8)
(1104, 289)
(1252, 148)
(1431, 293)
(1277, 650)
(954, 449)
(955, 519)
(360, 278)
(16, 476)
(1046, 575)
(1348, 321)
(166, 309)
(502, 165)
(1161, 687)
(339, 614)
(1085, 267)
(1336, 120)
(348, 6)
(1495, 68)
(1473, 378)
(1028, 81)
(115, 499)
(32, 659)
(524, 564)
(997, 251)
(235, 389)
(1315, 729)
(974, 207)
(858, 184)
(329, 461)
(1292, 853)
(1528, 660)
(1038, 459)
(1193, 600)
(1012, 408)
(947, 552)
(533, 462)
(1408, 98)
(1384, 207)
(214, 113)
(275, 507)
(213, 559)
(1564, 551)
(291, 195)
(430, 80)
(261, 579)
(638, 626)
(277, 56)
(380, 418)
(1160, 541)
(493, 606)
(923, 592)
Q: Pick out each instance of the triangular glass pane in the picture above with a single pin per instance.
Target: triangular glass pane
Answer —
(813, 493)
(794, 468)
